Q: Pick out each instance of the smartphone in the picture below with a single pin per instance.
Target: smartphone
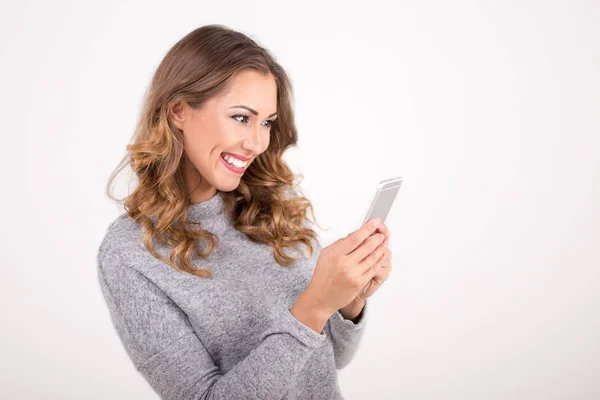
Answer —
(382, 201)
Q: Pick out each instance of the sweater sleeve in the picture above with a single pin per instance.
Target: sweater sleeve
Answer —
(168, 353)
(346, 335)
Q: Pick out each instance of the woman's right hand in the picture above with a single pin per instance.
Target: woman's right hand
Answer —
(345, 267)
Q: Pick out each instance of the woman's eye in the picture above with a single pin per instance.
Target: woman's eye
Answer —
(242, 116)
(244, 120)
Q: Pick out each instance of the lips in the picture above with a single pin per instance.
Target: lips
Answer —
(232, 168)
(238, 156)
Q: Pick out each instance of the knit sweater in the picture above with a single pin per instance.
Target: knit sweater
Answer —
(231, 336)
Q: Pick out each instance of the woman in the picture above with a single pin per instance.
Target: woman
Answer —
(253, 316)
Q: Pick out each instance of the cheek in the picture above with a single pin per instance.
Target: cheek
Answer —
(205, 137)
(226, 135)
(193, 143)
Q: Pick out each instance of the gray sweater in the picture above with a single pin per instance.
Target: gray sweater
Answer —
(231, 336)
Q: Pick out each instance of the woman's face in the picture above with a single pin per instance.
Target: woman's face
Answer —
(223, 125)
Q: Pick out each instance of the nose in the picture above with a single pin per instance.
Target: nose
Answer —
(253, 144)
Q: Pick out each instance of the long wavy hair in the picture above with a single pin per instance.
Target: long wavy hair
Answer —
(195, 69)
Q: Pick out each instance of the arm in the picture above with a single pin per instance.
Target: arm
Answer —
(166, 350)
(346, 333)
(353, 311)
(345, 326)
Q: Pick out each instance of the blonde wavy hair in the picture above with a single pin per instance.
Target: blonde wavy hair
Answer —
(195, 69)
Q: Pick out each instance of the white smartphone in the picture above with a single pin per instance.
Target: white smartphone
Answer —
(382, 201)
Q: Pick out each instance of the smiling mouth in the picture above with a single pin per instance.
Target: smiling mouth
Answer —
(232, 167)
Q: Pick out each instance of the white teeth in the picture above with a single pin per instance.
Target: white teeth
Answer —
(234, 161)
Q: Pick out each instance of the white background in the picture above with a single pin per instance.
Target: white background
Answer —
(490, 111)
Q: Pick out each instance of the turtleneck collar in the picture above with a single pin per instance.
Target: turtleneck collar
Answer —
(207, 209)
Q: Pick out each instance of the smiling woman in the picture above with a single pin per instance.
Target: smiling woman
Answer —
(199, 274)
(216, 92)
(247, 135)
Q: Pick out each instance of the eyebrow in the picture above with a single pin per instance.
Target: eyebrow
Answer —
(251, 110)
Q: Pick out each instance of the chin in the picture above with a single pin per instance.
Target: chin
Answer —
(229, 185)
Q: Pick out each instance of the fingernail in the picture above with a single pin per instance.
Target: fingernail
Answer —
(376, 222)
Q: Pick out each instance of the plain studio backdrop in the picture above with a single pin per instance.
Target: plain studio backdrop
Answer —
(490, 112)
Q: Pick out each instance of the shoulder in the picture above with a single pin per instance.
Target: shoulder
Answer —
(123, 238)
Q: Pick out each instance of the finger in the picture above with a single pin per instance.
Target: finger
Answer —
(385, 270)
(385, 231)
(382, 276)
(373, 269)
(389, 256)
(368, 274)
(374, 256)
(356, 238)
(387, 264)
(367, 253)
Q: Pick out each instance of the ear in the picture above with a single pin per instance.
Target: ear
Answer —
(179, 114)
